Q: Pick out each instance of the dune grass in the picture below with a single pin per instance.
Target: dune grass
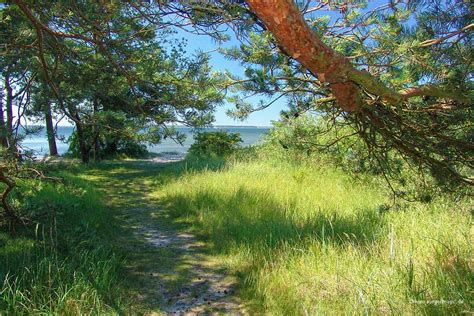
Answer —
(307, 239)
(64, 264)
(303, 238)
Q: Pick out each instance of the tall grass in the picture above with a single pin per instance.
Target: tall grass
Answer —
(310, 239)
(64, 264)
(304, 238)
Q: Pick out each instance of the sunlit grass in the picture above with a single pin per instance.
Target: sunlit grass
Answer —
(302, 238)
(308, 239)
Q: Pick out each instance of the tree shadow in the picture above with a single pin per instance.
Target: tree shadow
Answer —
(165, 266)
(252, 217)
(162, 274)
(267, 229)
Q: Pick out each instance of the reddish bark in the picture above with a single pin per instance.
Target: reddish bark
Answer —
(284, 20)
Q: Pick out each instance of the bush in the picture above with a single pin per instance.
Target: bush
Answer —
(308, 136)
(128, 148)
(218, 143)
(110, 147)
(318, 141)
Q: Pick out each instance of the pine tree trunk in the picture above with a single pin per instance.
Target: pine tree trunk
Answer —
(96, 147)
(96, 134)
(83, 148)
(3, 128)
(53, 149)
(9, 110)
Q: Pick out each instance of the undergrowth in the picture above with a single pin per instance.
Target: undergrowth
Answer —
(63, 263)
(303, 237)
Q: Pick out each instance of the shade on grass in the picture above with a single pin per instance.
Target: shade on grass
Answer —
(308, 239)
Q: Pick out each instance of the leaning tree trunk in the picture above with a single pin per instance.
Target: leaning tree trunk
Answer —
(346, 82)
(10, 214)
(53, 149)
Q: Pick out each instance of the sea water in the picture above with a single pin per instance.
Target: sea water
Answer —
(39, 143)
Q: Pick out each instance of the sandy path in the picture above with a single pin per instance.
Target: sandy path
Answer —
(169, 270)
(207, 290)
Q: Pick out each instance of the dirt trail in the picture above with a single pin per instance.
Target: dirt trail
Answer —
(207, 290)
(169, 269)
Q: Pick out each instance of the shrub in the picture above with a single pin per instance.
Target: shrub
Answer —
(317, 140)
(219, 143)
(110, 147)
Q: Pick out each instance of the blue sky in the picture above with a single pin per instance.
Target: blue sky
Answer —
(207, 44)
(219, 62)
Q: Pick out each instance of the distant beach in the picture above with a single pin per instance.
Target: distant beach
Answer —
(250, 135)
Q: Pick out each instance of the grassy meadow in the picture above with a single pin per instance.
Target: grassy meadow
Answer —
(306, 239)
(230, 157)
(301, 238)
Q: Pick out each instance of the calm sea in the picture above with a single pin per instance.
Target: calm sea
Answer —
(249, 134)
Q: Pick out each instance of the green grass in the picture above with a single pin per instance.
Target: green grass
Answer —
(152, 275)
(307, 239)
(65, 263)
(302, 238)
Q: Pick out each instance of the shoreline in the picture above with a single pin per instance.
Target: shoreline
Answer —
(164, 157)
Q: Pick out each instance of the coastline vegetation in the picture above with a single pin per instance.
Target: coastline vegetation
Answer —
(301, 235)
(307, 238)
(358, 202)
(64, 262)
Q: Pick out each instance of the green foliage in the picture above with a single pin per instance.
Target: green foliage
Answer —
(130, 149)
(111, 146)
(308, 137)
(298, 135)
(303, 235)
(65, 263)
(219, 143)
(402, 45)
(113, 134)
(126, 89)
(317, 139)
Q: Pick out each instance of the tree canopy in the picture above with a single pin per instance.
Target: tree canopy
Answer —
(106, 68)
(398, 74)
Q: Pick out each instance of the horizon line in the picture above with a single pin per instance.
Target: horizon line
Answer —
(177, 125)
